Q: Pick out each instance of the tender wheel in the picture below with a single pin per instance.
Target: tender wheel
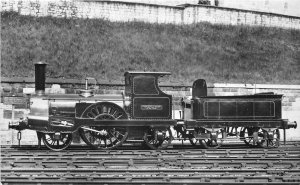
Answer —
(213, 142)
(195, 142)
(247, 135)
(270, 140)
(57, 142)
(99, 137)
(158, 139)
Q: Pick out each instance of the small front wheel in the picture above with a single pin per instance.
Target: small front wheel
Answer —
(57, 142)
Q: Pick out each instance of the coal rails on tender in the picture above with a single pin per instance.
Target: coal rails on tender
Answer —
(144, 112)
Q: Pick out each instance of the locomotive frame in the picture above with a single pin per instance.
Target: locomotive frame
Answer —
(144, 112)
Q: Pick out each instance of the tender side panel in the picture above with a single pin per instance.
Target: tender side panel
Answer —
(242, 109)
(246, 107)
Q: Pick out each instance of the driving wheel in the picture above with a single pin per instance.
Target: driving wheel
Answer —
(100, 137)
(158, 139)
(215, 141)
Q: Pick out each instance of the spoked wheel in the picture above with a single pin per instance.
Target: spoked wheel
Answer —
(99, 137)
(247, 135)
(269, 140)
(57, 142)
(213, 142)
(158, 139)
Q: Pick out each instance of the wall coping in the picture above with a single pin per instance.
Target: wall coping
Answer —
(131, 3)
(241, 10)
(187, 5)
(162, 84)
(256, 86)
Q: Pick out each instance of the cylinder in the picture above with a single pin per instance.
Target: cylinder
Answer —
(40, 78)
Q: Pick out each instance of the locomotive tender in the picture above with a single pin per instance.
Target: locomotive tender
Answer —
(143, 111)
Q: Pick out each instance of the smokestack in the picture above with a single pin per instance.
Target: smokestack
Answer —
(40, 73)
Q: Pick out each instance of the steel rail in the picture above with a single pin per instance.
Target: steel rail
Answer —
(172, 166)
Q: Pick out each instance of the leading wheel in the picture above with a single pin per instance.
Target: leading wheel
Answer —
(158, 139)
(57, 142)
(99, 137)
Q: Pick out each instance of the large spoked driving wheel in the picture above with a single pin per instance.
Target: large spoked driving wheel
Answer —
(158, 139)
(215, 141)
(269, 139)
(99, 137)
(57, 142)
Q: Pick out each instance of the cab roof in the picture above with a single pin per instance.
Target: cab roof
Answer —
(133, 73)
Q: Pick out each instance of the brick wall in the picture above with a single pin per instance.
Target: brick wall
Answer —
(126, 11)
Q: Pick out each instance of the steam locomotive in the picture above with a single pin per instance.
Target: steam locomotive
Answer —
(143, 111)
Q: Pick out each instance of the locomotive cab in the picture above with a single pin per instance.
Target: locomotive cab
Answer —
(147, 100)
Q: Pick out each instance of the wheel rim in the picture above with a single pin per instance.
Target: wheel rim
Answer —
(99, 137)
(57, 144)
(158, 139)
(265, 142)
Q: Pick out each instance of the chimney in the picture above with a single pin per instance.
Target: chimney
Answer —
(40, 73)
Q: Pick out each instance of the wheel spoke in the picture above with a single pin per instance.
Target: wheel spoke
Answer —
(114, 113)
(90, 115)
(120, 115)
(119, 133)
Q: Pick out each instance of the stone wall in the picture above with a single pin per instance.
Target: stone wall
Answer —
(126, 11)
(22, 88)
(286, 7)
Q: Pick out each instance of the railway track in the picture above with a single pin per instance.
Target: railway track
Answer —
(227, 165)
